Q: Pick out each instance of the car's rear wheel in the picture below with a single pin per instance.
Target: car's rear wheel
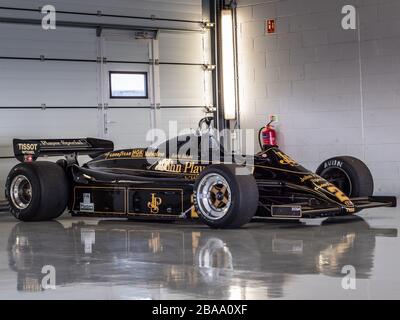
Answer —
(37, 191)
(349, 174)
(224, 199)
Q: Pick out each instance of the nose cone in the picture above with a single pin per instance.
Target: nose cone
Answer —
(329, 190)
(339, 196)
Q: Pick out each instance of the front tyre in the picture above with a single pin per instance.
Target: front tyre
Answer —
(37, 191)
(349, 174)
(224, 199)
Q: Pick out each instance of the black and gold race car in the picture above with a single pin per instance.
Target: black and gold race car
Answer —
(173, 181)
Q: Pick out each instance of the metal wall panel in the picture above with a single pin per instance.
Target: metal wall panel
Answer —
(124, 46)
(182, 86)
(182, 47)
(82, 86)
(32, 41)
(183, 9)
(128, 127)
(184, 119)
(50, 123)
(32, 83)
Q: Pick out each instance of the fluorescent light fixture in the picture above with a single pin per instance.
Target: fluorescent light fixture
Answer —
(228, 65)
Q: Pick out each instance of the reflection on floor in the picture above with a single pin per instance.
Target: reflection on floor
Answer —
(118, 259)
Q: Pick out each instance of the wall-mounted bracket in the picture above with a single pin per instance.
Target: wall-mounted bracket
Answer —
(154, 62)
(208, 25)
(209, 67)
(99, 31)
(155, 106)
(209, 109)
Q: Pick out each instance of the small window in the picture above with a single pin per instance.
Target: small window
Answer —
(128, 85)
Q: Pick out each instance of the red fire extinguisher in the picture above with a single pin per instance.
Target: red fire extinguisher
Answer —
(267, 135)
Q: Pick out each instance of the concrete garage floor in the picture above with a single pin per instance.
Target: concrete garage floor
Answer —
(103, 259)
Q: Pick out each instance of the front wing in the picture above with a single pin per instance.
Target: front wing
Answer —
(300, 210)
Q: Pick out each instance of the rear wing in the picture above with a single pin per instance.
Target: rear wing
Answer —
(30, 150)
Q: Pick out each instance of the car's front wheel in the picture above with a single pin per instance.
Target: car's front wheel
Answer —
(349, 174)
(37, 191)
(224, 197)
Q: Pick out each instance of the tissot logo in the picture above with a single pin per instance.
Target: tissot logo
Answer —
(27, 146)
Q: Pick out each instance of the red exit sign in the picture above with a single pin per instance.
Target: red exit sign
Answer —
(270, 25)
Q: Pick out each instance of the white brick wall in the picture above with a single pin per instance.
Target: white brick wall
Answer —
(309, 74)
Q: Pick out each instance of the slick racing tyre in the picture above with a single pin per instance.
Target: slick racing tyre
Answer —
(37, 191)
(223, 199)
(349, 174)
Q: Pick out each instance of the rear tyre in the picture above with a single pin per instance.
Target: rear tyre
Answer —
(349, 174)
(224, 199)
(37, 191)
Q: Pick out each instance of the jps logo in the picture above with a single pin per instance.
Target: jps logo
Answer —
(285, 159)
(154, 204)
(340, 195)
(27, 146)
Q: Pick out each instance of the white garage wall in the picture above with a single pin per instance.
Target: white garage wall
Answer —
(26, 40)
(186, 119)
(54, 123)
(26, 83)
(173, 9)
(54, 83)
(127, 127)
(309, 74)
(29, 84)
(182, 85)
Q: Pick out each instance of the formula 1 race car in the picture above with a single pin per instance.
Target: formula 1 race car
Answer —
(171, 181)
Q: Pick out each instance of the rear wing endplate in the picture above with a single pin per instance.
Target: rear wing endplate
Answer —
(30, 150)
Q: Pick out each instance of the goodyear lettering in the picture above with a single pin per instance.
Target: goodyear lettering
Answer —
(135, 154)
(120, 154)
